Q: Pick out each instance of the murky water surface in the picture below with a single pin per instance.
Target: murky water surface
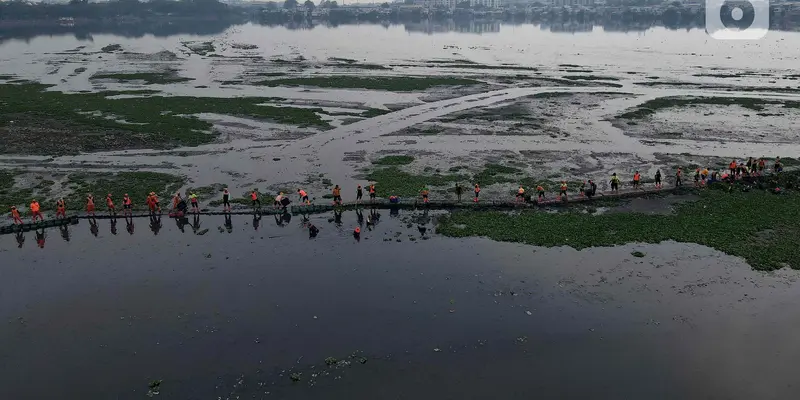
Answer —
(236, 314)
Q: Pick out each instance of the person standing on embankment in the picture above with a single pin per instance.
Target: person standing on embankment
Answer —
(61, 208)
(36, 211)
(658, 179)
(15, 216)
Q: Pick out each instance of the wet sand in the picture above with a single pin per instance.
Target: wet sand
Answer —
(235, 314)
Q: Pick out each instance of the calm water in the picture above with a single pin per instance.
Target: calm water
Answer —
(656, 51)
(234, 314)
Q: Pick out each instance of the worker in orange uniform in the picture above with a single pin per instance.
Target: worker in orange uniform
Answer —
(61, 208)
(303, 196)
(637, 180)
(477, 192)
(372, 193)
(110, 204)
(90, 205)
(36, 211)
(520, 194)
(563, 192)
(732, 167)
(337, 195)
(15, 216)
(127, 204)
(540, 191)
(256, 203)
(425, 193)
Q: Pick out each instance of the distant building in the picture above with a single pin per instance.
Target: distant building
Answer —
(486, 3)
(449, 4)
(572, 2)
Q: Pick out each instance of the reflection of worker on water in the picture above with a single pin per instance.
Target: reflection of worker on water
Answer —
(228, 223)
(360, 217)
(93, 228)
(196, 223)
(64, 232)
(129, 225)
(357, 233)
(312, 231)
(279, 220)
(20, 236)
(40, 236)
(181, 221)
(337, 217)
(256, 220)
(114, 226)
(155, 224)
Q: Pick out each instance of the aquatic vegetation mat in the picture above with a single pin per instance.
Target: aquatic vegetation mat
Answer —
(390, 83)
(393, 181)
(136, 184)
(150, 78)
(34, 120)
(652, 106)
(758, 226)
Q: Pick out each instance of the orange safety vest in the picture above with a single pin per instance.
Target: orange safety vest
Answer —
(35, 207)
(253, 196)
(477, 189)
(733, 165)
(521, 191)
(563, 186)
(90, 201)
(539, 189)
(303, 193)
(372, 188)
(337, 192)
(126, 201)
(60, 204)
(109, 201)
(636, 177)
(15, 213)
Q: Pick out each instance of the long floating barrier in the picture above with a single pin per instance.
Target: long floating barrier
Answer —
(378, 203)
(48, 223)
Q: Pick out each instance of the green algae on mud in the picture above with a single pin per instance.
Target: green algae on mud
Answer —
(10, 194)
(150, 78)
(389, 83)
(393, 181)
(758, 226)
(652, 106)
(76, 186)
(34, 120)
(136, 184)
(394, 160)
